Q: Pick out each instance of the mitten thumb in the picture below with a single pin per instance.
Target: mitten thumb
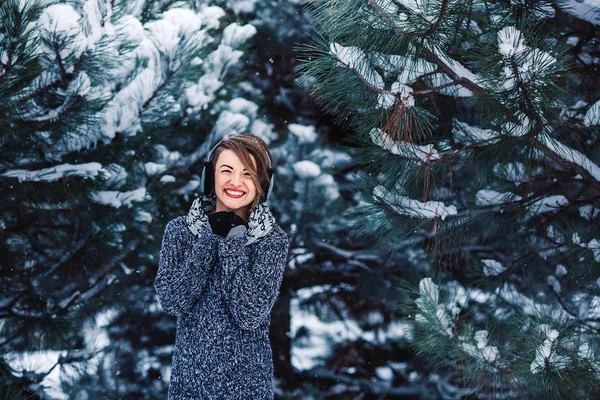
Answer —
(237, 232)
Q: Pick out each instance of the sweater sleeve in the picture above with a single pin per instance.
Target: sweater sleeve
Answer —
(251, 288)
(183, 267)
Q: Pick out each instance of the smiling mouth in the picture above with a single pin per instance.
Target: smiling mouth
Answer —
(234, 194)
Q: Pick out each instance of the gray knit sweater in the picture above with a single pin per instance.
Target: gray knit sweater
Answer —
(222, 292)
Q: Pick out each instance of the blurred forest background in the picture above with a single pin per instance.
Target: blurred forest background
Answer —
(436, 172)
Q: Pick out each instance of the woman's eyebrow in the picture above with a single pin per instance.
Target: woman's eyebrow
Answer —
(225, 165)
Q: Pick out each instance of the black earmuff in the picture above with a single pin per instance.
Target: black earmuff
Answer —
(208, 176)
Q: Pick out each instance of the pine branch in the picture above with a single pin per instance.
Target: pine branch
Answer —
(102, 272)
(573, 313)
(99, 282)
(498, 160)
(349, 255)
(438, 21)
(371, 387)
(436, 89)
(563, 18)
(158, 89)
(530, 108)
(69, 105)
(47, 270)
(360, 77)
(16, 334)
(8, 66)
(71, 357)
(432, 57)
(476, 248)
(61, 67)
(313, 275)
(45, 89)
(475, 88)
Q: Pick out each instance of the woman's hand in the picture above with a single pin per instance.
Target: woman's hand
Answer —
(237, 232)
(222, 223)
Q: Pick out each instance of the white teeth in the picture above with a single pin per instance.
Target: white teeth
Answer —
(234, 192)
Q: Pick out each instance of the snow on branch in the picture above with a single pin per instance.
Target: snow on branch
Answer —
(409, 69)
(593, 245)
(441, 317)
(589, 212)
(547, 204)
(425, 154)
(211, 16)
(570, 155)
(592, 116)
(117, 199)
(510, 294)
(457, 70)
(306, 169)
(355, 59)
(492, 267)
(420, 7)
(428, 304)
(87, 170)
(481, 351)
(467, 134)
(586, 10)
(60, 23)
(546, 355)
(397, 91)
(236, 35)
(413, 208)
(523, 63)
(519, 129)
(488, 197)
(510, 41)
(387, 6)
(200, 94)
(304, 133)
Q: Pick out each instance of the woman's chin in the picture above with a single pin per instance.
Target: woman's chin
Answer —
(233, 205)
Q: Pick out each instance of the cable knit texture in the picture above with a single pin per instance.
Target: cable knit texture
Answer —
(222, 291)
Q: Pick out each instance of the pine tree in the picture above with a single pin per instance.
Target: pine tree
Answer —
(107, 110)
(156, 84)
(476, 126)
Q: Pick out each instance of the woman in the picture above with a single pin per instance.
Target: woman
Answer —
(220, 271)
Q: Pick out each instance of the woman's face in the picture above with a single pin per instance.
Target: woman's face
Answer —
(234, 186)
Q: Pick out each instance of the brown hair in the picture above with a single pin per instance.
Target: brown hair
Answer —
(244, 146)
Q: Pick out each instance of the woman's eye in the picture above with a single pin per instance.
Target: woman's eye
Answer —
(247, 174)
(225, 170)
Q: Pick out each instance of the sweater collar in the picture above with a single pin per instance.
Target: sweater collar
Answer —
(260, 223)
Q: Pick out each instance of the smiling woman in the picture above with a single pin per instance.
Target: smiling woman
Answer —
(235, 186)
(252, 159)
(220, 271)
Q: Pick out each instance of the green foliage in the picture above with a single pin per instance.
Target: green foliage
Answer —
(93, 114)
(470, 134)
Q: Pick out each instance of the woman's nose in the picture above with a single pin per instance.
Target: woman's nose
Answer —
(235, 179)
